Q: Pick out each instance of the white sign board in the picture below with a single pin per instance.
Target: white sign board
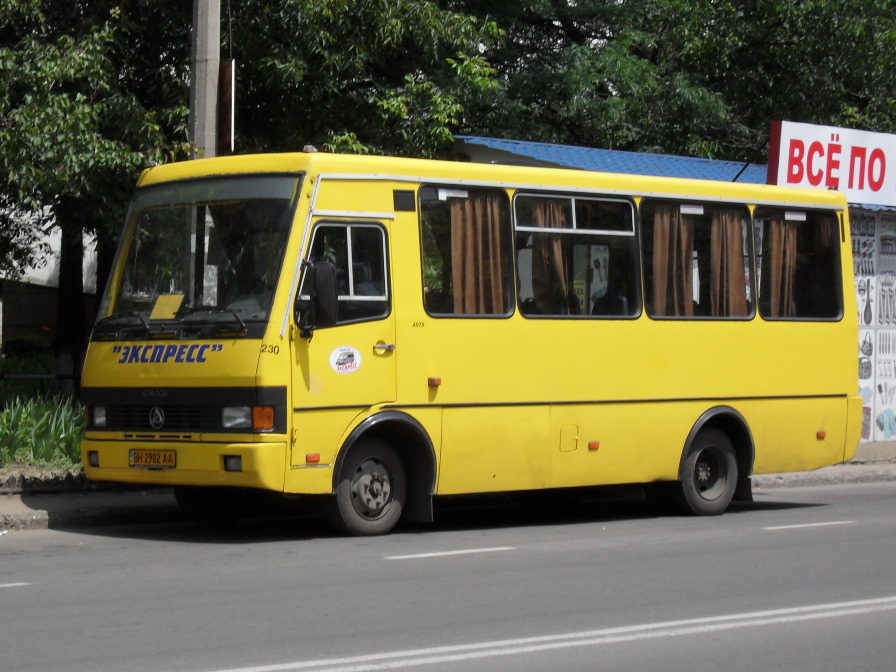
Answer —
(861, 164)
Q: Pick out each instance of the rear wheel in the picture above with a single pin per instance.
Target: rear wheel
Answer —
(709, 474)
(370, 490)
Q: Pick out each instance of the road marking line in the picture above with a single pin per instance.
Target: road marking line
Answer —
(509, 647)
(14, 585)
(441, 554)
(797, 527)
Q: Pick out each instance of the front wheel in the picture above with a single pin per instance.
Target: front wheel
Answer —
(709, 474)
(370, 491)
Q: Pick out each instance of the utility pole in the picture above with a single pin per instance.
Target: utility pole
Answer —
(204, 73)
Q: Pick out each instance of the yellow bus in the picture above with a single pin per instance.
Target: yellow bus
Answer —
(382, 331)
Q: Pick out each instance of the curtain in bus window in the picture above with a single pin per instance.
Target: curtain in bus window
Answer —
(728, 280)
(673, 266)
(550, 261)
(800, 265)
(782, 273)
(480, 254)
(823, 297)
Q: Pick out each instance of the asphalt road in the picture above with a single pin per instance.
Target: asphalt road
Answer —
(801, 579)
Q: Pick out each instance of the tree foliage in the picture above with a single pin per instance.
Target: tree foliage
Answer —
(692, 77)
(91, 93)
(94, 90)
(387, 76)
(80, 114)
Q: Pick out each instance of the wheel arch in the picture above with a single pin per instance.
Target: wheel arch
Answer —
(409, 438)
(735, 426)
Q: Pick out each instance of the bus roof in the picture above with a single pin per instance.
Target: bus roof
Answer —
(514, 177)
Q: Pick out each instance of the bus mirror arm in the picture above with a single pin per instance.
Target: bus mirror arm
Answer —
(317, 308)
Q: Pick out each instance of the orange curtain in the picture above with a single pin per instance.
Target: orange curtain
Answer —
(550, 265)
(480, 254)
(782, 250)
(728, 284)
(673, 262)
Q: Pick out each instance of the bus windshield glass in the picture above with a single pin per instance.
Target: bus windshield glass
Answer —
(200, 256)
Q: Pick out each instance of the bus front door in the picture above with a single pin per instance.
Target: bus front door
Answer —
(345, 369)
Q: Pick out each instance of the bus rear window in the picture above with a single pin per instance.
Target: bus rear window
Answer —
(799, 264)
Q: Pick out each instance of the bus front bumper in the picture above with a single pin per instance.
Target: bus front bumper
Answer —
(251, 465)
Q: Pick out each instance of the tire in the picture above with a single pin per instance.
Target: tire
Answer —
(370, 490)
(708, 475)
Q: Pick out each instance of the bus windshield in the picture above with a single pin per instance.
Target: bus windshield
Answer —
(202, 256)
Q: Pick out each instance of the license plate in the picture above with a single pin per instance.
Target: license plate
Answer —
(152, 459)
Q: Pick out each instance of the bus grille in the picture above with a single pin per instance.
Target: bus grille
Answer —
(191, 418)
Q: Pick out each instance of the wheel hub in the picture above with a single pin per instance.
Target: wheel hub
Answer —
(371, 488)
(704, 473)
(710, 474)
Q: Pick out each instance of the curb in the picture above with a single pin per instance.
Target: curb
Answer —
(849, 472)
(67, 509)
(34, 520)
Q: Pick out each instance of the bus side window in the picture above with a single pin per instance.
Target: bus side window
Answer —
(576, 257)
(697, 259)
(467, 250)
(359, 253)
(799, 264)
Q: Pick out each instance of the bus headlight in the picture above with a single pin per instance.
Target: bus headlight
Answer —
(99, 416)
(248, 417)
(236, 417)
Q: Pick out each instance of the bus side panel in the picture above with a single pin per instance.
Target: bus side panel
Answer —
(799, 434)
(617, 443)
(319, 433)
(608, 444)
(493, 449)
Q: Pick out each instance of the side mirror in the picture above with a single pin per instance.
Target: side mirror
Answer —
(317, 308)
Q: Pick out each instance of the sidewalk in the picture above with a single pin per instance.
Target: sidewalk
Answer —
(100, 506)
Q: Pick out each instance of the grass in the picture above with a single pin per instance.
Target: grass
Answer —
(43, 432)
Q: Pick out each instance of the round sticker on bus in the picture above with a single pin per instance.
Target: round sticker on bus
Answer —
(345, 359)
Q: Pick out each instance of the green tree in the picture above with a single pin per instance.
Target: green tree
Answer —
(387, 76)
(87, 99)
(693, 77)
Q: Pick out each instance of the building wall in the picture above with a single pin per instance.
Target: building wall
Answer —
(874, 256)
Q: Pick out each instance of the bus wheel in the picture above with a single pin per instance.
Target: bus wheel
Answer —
(709, 476)
(370, 491)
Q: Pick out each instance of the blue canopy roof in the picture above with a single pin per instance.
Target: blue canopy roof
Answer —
(614, 161)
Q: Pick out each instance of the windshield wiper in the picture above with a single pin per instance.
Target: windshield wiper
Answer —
(124, 318)
(224, 309)
(213, 309)
(120, 324)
